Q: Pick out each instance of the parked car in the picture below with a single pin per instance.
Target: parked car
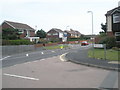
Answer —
(84, 43)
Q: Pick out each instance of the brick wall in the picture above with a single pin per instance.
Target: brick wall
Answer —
(48, 44)
(32, 33)
(110, 34)
(5, 26)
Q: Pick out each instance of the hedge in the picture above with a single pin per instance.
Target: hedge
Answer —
(109, 41)
(16, 42)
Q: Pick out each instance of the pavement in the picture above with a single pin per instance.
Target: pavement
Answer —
(53, 73)
(81, 57)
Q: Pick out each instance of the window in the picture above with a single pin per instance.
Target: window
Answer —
(21, 31)
(49, 34)
(55, 33)
(117, 34)
(116, 18)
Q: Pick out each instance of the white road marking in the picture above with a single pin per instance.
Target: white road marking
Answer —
(27, 55)
(5, 57)
(52, 51)
(42, 53)
(23, 77)
(61, 57)
(42, 59)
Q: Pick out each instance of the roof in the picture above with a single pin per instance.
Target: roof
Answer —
(112, 11)
(77, 32)
(17, 25)
(91, 35)
(57, 30)
(73, 31)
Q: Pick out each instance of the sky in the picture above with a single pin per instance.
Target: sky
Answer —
(61, 14)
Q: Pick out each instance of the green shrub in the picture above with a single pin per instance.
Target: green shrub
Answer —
(109, 41)
(16, 42)
(115, 48)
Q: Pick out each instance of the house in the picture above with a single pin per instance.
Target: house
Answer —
(56, 35)
(91, 36)
(73, 33)
(26, 32)
(113, 21)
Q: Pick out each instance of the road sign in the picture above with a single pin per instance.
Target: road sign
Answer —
(98, 46)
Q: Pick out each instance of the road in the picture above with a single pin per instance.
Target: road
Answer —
(44, 69)
(37, 55)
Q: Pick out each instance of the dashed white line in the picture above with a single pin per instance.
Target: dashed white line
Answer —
(42, 53)
(53, 51)
(18, 76)
(27, 55)
(4, 57)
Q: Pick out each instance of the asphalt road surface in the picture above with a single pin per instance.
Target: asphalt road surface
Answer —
(37, 55)
(44, 69)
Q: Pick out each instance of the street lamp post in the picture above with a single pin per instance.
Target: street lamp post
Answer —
(92, 32)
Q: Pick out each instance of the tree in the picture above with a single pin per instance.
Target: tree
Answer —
(104, 27)
(10, 34)
(41, 33)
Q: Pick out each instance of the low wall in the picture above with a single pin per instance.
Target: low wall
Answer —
(15, 49)
(48, 44)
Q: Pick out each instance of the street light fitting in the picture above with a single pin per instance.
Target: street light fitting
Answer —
(89, 12)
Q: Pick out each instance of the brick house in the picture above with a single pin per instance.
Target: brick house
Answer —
(56, 35)
(113, 21)
(25, 30)
(73, 33)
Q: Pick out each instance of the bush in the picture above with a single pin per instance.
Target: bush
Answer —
(80, 38)
(115, 48)
(109, 41)
(16, 42)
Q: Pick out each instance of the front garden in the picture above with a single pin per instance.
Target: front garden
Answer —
(111, 51)
(110, 54)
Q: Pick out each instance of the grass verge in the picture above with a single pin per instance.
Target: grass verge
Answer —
(56, 47)
(99, 54)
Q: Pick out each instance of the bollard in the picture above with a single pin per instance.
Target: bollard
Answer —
(61, 47)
